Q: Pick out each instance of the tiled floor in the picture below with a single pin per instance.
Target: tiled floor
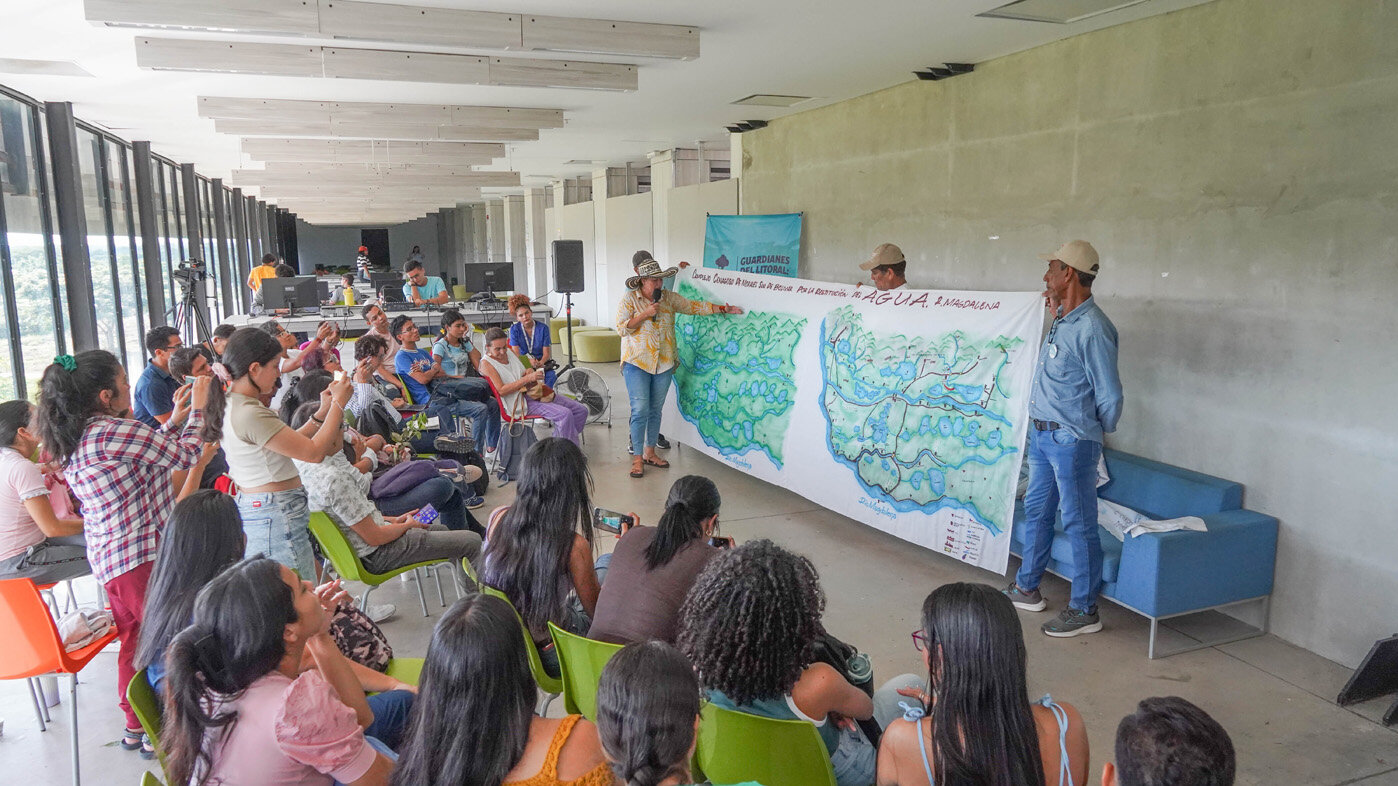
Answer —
(1276, 700)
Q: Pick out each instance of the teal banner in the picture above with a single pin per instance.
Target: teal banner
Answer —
(769, 245)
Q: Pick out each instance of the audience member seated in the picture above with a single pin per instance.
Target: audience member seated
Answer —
(320, 359)
(511, 380)
(279, 270)
(421, 289)
(648, 715)
(474, 721)
(379, 325)
(345, 287)
(375, 403)
(981, 726)
(193, 362)
(453, 348)
(336, 487)
(446, 398)
(328, 331)
(154, 396)
(539, 550)
(652, 568)
(529, 338)
(260, 449)
(290, 364)
(34, 542)
(204, 538)
(748, 625)
(239, 709)
(121, 471)
(219, 340)
(1168, 741)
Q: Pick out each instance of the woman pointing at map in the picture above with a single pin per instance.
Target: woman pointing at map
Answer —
(646, 321)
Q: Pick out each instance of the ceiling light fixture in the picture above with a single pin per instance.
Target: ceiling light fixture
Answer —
(944, 71)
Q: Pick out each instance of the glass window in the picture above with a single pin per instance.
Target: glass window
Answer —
(128, 274)
(162, 206)
(206, 208)
(28, 252)
(98, 250)
(56, 272)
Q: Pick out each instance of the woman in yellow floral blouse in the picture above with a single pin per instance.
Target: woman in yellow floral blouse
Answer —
(646, 321)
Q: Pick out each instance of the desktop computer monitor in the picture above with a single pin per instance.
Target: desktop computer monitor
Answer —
(294, 292)
(392, 280)
(489, 278)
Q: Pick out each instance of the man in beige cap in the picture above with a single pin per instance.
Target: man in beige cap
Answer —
(886, 268)
(1075, 398)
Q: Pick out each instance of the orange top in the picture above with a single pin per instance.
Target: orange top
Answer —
(601, 775)
(260, 272)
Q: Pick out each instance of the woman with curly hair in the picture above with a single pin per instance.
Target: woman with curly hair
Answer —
(749, 625)
(530, 339)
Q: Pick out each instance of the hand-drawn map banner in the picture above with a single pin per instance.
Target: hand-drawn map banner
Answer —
(769, 244)
(905, 410)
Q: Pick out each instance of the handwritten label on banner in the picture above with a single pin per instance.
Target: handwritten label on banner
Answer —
(905, 409)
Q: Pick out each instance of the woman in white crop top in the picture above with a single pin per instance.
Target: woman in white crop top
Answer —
(260, 448)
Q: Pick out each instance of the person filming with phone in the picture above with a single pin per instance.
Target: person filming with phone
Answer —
(652, 568)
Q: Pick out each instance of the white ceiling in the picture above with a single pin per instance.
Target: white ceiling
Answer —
(830, 50)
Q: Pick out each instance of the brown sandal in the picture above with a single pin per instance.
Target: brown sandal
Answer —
(656, 462)
(637, 470)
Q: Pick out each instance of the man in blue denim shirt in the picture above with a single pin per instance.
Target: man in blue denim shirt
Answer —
(1075, 399)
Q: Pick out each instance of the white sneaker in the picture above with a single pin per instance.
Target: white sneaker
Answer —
(380, 613)
(473, 473)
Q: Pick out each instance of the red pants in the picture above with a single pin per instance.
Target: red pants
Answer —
(128, 596)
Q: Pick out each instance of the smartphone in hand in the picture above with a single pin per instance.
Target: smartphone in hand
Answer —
(720, 542)
(610, 520)
(426, 514)
(188, 380)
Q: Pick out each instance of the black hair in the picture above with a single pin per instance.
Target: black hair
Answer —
(693, 499)
(347, 279)
(237, 637)
(14, 415)
(982, 726)
(69, 399)
(1168, 741)
(897, 268)
(495, 334)
(285, 271)
(159, 338)
(314, 358)
(305, 390)
(396, 326)
(246, 346)
(271, 327)
(450, 317)
(364, 312)
(750, 621)
(182, 362)
(647, 703)
(369, 345)
(530, 547)
(1085, 279)
(269, 259)
(204, 536)
(224, 331)
(411, 265)
(475, 701)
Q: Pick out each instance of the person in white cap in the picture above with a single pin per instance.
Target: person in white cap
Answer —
(886, 268)
(1075, 398)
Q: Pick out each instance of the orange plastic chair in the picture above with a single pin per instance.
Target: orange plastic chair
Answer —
(504, 414)
(33, 648)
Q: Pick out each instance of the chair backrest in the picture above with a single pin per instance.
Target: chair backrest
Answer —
(460, 292)
(735, 747)
(147, 779)
(146, 705)
(580, 661)
(32, 646)
(547, 682)
(336, 547)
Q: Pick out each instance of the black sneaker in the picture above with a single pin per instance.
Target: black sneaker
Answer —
(661, 442)
(1071, 622)
(1028, 601)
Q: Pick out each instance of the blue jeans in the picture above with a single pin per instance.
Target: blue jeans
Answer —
(391, 710)
(647, 394)
(854, 759)
(446, 404)
(441, 494)
(277, 524)
(1063, 480)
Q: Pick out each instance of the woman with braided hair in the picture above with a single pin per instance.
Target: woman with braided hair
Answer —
(749, 625)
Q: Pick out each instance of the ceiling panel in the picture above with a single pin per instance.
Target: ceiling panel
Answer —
(345, 63)
(564, 34)
(389, 131)
(420, 25)
(351, 151)
(518, 72)
(188, 54)
(262, 16)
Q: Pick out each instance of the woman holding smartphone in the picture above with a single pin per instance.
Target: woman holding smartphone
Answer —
(652, 568)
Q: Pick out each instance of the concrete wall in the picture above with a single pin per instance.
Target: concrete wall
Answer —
(331, 246)
(1235, 165)
(419, 232)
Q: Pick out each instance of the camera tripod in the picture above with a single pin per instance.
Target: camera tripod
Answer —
(189, 317)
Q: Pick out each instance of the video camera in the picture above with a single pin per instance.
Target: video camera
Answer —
(190, 271)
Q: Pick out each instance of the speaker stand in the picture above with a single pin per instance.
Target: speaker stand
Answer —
(572, 357)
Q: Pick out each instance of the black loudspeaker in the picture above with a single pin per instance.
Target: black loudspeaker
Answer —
(567, 266)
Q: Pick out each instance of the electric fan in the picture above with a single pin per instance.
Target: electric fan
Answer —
(586, 387)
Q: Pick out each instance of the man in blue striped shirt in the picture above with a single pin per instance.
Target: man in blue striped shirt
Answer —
(1075, 399)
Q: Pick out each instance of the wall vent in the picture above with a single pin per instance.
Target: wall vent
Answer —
(1060, 12)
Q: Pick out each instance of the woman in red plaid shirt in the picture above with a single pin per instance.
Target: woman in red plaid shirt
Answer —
(121, 471)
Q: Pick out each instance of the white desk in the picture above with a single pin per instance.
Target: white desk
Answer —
(353, 325)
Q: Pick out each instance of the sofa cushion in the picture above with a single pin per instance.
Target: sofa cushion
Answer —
(1061, 553)
(1162, 491)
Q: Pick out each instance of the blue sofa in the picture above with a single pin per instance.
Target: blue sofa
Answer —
(1163, 575)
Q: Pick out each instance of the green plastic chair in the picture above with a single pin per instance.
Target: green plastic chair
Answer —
(148, 779)
(336, 548)
(580, 660)
(407, 670)
(141, 696)
(735, 747)
(550, 685)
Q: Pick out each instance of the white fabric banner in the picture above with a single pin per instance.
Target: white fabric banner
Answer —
(904, 410)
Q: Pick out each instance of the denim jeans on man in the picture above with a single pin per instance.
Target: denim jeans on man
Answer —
(646, 392)
(1062, 480)
(442, 494)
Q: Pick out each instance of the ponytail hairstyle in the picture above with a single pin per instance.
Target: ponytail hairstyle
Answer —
(647, 703)
(70, 396)
(236, 638)
(449, 317)
(692, 500)
(470, 720)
